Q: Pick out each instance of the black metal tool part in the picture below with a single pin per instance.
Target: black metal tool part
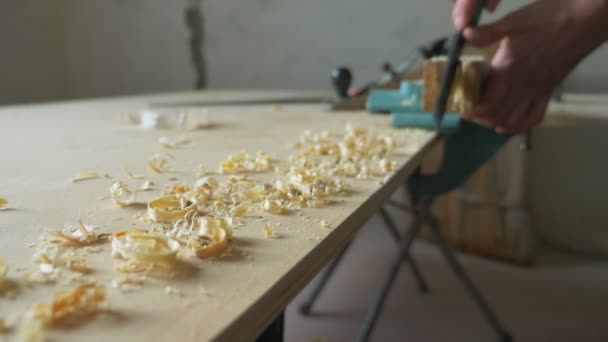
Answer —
(455, 50)
(341, 78)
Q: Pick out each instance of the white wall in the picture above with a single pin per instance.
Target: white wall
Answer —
(86, 48)
(116, 47)
(31, 51)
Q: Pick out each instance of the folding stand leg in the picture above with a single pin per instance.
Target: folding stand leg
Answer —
(485, 308)
(378, 303)
(306, 306)
(422, 216)
(390, 224)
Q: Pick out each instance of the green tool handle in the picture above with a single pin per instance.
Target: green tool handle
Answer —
(421, 120)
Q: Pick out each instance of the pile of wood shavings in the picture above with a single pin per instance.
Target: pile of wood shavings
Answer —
(200, 218)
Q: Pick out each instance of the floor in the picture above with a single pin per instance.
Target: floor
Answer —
(562, 298)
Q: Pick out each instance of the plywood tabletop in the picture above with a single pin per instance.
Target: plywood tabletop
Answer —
(230, 298)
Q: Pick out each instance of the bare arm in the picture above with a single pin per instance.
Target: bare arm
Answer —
(540, 44)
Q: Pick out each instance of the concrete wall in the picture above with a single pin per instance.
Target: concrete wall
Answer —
(85, 48)
(32, 66)
(116, 47)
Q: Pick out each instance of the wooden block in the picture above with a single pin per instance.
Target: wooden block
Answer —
(467, 86)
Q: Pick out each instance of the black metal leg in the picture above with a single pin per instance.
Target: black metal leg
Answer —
(390, 224)
(469, 285)
(275, 331)
(306, 306)
(378, 303)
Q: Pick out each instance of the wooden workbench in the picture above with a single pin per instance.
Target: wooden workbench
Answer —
(43, 146)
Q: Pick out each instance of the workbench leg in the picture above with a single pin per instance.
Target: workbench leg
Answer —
(306, 306)
(468, 283)
(390, 224)
(275, 331)
(374, 312)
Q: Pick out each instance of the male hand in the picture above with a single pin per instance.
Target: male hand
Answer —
(539, 45)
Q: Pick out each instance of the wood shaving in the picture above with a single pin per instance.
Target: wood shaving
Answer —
(324, 224)
(122, 195)
(212, 239)
(143, 250)
(130, 174)
(3, 270)
(269, 231)
(239, 210)
(71, 306)
(85, 176)
(147, 185)
(129, 282)
(273, 206)
(169, 209)
(3, 203)
(158, 163)
(165, 142)
(75, 236)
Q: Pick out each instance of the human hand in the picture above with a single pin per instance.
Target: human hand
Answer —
(464, 10)
(539, 45)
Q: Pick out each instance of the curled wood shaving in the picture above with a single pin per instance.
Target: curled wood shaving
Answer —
(3, 203)
(169, 209)
(85, 176)
(68, 306)
(143, 250)
(273, 206)
(269, 231)
(75, 236)
(158, 163)
(324, 224)
(212, 239)
(122, 195)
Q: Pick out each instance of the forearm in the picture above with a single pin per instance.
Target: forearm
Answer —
(589, 20)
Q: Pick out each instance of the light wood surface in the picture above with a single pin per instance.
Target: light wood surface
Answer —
(43, 146)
